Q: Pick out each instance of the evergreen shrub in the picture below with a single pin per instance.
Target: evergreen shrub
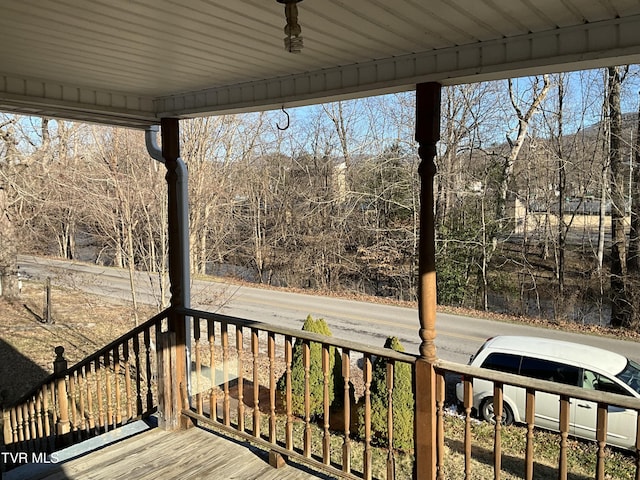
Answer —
(403, 402)
(316, 376)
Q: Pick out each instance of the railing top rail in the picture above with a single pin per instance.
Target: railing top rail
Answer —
(118, 341)
(314, 337)
(540, 385)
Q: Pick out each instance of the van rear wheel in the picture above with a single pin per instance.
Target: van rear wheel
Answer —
(488, 414)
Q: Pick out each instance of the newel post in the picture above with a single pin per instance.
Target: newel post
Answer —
(63, 426)
(172, 348)
(427, 136)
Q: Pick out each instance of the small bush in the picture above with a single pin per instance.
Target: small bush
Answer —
(403, 402)
(316, 376)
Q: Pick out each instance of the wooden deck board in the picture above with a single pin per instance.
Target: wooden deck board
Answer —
(189, 454)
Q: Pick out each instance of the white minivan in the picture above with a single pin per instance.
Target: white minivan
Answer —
(563, 362)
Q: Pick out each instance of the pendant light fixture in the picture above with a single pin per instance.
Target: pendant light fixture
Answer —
(292, 30)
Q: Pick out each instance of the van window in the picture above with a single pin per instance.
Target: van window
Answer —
(551, 371)
(502, 362)
(604, 384)
(631, 375)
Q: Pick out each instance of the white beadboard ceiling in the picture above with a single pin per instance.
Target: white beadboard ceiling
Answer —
(131, 62)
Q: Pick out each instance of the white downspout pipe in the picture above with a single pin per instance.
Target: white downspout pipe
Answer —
(151, 141)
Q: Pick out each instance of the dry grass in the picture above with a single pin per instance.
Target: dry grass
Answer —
(581, 455)
(83, 324)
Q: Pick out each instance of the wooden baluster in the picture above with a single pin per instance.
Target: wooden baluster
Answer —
(91, 414)
(288, 358)
(196, 338)
(240, 350)
(15, 431)
(224, 333)
(117, 386)
(564, 433)
(29, 424)
(54, 416)
(391, 469)
(24, 417)
(127, 380)
(440, 394)
(326, 435)
(497, 438)
(32, 419)
(138, 368)
(108, 392)
(530, 419)
(213, 401)
(468, 439)
(271, 351)
(7, 430)
(601, 437)
(37, 420)
(40, 421)
(346, 444)
(366, 373)
(20, 424)
(82, 423)
(25, 420)
(306, 362)
(255, 350)
(148, 355)
(46, 425)
(100, 397)
(72, 404)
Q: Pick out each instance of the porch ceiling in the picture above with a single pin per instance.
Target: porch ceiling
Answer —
(131, 62)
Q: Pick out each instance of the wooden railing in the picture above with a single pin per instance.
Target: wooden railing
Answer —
(112, 387)
(244, 381)
(273, 386)
(532, 386)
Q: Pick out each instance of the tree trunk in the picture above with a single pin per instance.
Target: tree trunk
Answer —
(633, 259)
(516, 145)
(562, 182)
(619, 300)
(131, 268)
(8, 251)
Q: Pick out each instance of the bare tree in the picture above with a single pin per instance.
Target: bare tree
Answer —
(209, 146)
(121, 181)
(8, 251)
(538, 92)
(465, 111)
(8, 240)
(619, 300)
(633, 258)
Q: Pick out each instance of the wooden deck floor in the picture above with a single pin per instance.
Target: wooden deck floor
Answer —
(190, 454)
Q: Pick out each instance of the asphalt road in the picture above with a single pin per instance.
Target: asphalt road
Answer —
(458, 337)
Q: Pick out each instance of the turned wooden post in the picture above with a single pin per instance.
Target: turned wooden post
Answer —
(178, 270)
(427, 136)
(62, 426)
(169, 405)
